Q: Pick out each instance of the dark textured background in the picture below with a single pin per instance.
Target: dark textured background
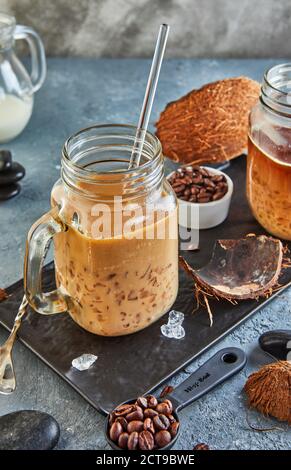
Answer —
(127, 28)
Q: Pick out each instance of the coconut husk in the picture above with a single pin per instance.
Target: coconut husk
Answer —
(209, 124)
(269, 390)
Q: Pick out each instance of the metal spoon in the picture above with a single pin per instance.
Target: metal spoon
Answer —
(7, 375)
(220, 367)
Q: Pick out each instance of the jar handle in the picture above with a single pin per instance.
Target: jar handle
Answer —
(38, 242)
(37, 52)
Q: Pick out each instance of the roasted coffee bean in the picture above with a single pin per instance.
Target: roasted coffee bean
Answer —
(146, 440)
(148, 425)
(142, 402)
(203, 199)
(150, 413)
(166, 390)
(152, 401)
(123, 410)
(135, 426)
(132, 442)
(194, 190)
(137, 413)
(122, 421)
(209, 183)
(171, 418)
(162, 438)
(217, 178)
(210, 189)
(217, 195)
(161, 422)
(115, 431)
(183, 181)
(123, 440)
(180, 188)
(203, 172)
(111, 418)
(188, 179)
(198, 180)
(165, 408)
(196, 184)
(201, 446)
(173, 429)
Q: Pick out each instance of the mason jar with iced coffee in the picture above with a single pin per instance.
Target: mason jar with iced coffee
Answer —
(269, 153)
(115, 234)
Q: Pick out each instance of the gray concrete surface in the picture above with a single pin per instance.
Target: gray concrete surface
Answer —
(127, 28)
(78, 93)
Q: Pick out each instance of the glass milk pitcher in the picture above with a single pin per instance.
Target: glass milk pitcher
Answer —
(17, 87)
(115, 234)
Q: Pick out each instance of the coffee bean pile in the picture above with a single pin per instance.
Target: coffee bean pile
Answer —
(144, 425)
(196, 184)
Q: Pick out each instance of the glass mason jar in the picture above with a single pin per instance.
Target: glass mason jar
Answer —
(269, 153)
(115, 235)
(16, 85)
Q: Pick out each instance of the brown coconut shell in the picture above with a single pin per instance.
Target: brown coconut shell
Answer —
(269, 390)
(209, 124)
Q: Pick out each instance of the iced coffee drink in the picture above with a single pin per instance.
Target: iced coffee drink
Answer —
(115, 233)
(117, 286)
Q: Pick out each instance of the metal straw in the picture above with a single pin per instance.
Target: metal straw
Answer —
(149, 96)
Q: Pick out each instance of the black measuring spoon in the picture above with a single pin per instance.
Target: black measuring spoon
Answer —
(276, 343)
(220, 367)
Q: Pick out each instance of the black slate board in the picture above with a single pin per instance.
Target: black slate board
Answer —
(131, 365)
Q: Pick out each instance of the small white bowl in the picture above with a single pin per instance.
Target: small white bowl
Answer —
(197, 215)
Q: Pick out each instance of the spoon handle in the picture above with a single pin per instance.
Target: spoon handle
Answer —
(7, 375)
(220, 367)
(17, 322)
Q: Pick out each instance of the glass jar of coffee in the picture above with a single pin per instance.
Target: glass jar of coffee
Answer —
(115, 235)
(269, 153)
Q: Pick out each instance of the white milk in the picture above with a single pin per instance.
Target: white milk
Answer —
(14, 115)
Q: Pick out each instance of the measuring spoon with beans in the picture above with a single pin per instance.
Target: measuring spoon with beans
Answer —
(146, 423)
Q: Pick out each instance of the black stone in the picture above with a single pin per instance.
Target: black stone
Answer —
(28, 430)
(7, 192)
(277, 343)
(5, 159)
(15, 173)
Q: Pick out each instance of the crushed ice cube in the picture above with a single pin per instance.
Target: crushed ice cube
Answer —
(174, 328)
(176, 332)
(175, 318)
(84, 362)
(167, 330)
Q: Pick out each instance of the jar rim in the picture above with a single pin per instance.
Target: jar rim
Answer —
(110, 146)
(276, 89)
(278, 68)
(66, 152)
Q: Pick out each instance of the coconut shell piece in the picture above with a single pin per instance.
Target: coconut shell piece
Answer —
(209, 124)
(247, 268)
(242, 269)
(269, 390)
